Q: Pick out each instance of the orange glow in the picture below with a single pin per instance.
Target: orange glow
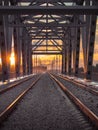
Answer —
(12, 59)
(0, 61)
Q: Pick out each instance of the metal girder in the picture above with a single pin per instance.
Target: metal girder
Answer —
(46, 50)
(17, 52)
(69, 55)
(63, 63)
(24, 56)
(49, 38)
(45, 45)
(56, 29)
(46, 1)
(91, 47)
(46, 36)
(49, 10)
(50, 25)
(4, 54)
(56, 45)
(44, 33)
(46, 53)
(76, 48)
(29, 54)
(37, 44)
(59, 19)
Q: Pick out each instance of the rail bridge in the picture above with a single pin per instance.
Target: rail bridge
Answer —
(58, 25)
(59, 28)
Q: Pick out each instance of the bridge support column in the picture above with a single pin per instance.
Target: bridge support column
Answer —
(29, 57)
(69, 60)
(77, 49)
(77, 52)
(4, 41)
(4, 57)
(64, 59)
(91, 47)
(63, 63)
(24, 54)
(17, 49)
(91, 41)
(85, 41)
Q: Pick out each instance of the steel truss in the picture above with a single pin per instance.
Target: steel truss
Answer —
(37, 24)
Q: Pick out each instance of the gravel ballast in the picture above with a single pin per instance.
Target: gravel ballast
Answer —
(45, 108)
(89, 99)
(14, 81)
(8, 97)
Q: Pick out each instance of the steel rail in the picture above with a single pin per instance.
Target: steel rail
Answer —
(79, 85)
(4, 114)
(14, 85)
(93, 118)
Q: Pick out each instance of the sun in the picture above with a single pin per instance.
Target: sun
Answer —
(12, 59)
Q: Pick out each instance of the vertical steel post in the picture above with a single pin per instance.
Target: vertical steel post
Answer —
(4, 57)
(34, 64)
(28, 58)
(59, 64)
(91, 47)
(17, 56)
(63, 63)
(77, 48)
(85, 36)
(90, 52)
(17, 46)
(69, 54)
(77, 52)
(4, 45)
(65, 56)
(24, 54)
(31, 58)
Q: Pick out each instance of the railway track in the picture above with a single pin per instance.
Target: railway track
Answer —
(84, 109)
(78, 84)
(45, 104)
(8, 109)
(3, 90)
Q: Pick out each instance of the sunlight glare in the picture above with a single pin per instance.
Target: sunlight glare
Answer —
(12, 59)
(0, 61)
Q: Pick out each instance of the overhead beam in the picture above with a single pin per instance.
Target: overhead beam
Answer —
(46, 53)
(42, 32)
(45, 1)
(45, 45)
(48, 10)
(41, 50)
(50, 25)
(44, 37)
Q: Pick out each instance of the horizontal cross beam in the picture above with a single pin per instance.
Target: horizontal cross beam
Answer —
(46, 53)
(43, 38)
(49, 10)
(45, 45)
(40, 50)
(45, 0)
(49, 25)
